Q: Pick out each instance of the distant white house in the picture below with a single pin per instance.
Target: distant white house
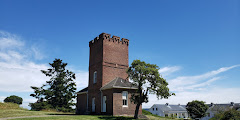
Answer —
(166, 110)
(216, 108)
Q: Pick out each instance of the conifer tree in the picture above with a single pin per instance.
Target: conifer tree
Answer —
(58, 92)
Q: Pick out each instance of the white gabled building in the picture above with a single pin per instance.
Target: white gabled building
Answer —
(166, 110)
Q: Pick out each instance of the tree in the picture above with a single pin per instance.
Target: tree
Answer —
(147, 78)
(230, 114)
(197, 109)
(58, 92)
(14, 99)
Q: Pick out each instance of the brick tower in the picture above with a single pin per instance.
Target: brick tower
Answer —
(107, 77)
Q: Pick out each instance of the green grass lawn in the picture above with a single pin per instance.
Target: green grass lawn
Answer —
(78, 117)
(89, 117)
(13, 110)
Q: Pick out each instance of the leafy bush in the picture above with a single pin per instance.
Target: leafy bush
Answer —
(231, 114)
(44, 106)
(196, 109)
(40, 106)
(14, 99)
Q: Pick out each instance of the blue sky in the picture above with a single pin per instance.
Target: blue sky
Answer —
(195, 43)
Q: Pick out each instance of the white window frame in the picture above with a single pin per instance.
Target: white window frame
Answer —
(93, 103)
(95, 77)
(123, 98)
(104, 103)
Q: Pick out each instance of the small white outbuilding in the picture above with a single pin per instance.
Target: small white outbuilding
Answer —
(166, 110)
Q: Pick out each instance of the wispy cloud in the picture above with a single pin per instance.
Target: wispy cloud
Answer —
(186, 82)
(203, 84)
(215, 95)
(165, 71)
(198, 87)
(9, 40)
(36, 53)
(17, 70)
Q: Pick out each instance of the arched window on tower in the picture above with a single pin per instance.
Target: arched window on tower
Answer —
(95, 77)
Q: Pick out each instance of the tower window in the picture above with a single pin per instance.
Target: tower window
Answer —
(124, 98)
(95, 77)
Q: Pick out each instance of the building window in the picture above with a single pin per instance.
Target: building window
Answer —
(124, 98)
(153, 109)
(95, 77)
(156, 109)
(93, 104)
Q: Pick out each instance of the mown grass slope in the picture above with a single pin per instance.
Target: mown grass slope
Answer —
(13, 110)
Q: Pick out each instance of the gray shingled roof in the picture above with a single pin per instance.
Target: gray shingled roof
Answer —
(224, 107)
(170, 108)
(118, 83)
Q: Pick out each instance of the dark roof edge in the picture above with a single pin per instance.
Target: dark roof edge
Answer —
(79, 93)
(118, 88)
(84, 90)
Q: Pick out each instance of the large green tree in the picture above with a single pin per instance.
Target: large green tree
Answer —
(147, 78)
(14, 99)
(58, 92)
(197, 109)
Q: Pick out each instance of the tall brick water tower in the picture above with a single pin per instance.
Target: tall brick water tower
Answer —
(109, 90)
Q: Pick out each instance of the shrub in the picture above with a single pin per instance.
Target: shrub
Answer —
(196, 109)
(231, 115)
(14, 99)
(40, 106)
(227, 115)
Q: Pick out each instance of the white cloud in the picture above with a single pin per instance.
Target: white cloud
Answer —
(188, 88)
(2, 98)
(9, 40)
(215, 95)
(19, 77)
(25, 103)
(185, 82)
(17, 71)
(203, 84)
(36, 52)
(81, 79)
(165, 71)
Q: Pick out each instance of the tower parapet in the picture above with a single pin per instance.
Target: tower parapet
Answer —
(105, 36)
